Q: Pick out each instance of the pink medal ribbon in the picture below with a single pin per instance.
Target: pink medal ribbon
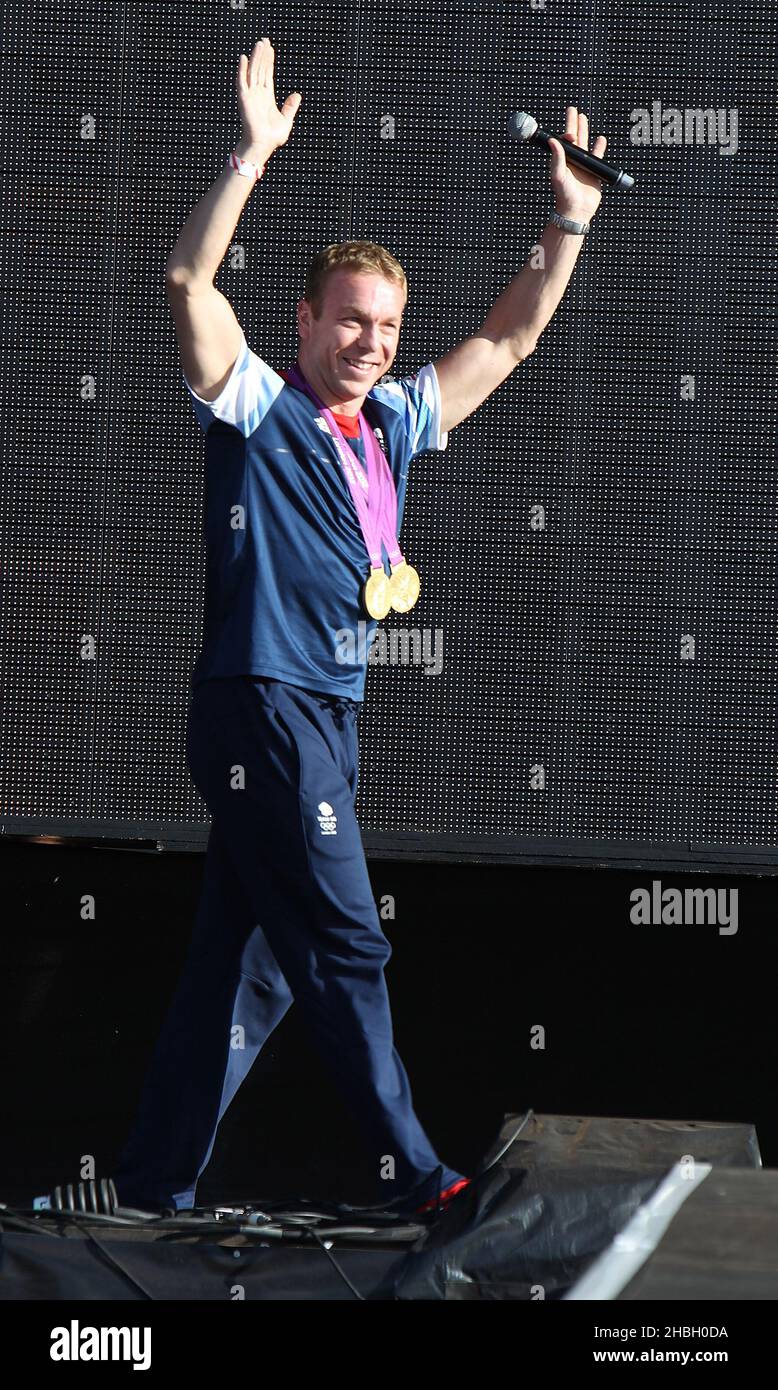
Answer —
(374, 496)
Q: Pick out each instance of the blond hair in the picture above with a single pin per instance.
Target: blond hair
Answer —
(350, 255)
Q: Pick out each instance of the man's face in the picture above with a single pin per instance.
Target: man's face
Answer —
(360, 322)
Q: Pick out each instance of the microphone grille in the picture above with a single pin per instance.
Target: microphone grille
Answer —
(522, 125)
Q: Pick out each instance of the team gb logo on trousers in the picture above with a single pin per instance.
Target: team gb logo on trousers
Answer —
(328, 821)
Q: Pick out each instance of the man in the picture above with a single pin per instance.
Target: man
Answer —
(287, 911)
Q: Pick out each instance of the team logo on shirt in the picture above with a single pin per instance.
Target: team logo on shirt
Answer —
(377, 431)
(328, 821)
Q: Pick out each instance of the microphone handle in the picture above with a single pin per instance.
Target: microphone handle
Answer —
(607, 172)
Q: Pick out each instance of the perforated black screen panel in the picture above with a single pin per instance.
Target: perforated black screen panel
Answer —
(592, 662)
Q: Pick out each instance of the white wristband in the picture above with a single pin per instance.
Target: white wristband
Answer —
(245, 167)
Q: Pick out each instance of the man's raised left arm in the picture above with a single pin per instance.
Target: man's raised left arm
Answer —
(471, 371)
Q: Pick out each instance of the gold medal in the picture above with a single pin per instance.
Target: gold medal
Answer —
(376, 593)
(404, 587)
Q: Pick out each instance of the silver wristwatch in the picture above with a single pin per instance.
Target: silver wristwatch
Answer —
(568, 225)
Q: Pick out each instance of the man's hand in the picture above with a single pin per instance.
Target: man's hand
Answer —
(577, 192)
(265, 128)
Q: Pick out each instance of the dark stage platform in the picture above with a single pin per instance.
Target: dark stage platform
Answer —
(561, 1208)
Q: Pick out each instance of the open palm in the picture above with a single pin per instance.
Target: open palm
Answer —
(263, 123)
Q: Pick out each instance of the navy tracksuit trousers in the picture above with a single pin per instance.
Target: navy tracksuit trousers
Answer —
(286, 913)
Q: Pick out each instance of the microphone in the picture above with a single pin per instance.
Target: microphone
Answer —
(525, 127)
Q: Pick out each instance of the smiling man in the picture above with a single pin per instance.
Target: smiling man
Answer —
(293, 461)
(353, 340)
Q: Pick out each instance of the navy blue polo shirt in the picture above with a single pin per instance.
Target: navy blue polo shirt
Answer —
(285, 557)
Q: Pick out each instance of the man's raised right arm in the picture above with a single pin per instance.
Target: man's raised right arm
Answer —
(209, 335)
